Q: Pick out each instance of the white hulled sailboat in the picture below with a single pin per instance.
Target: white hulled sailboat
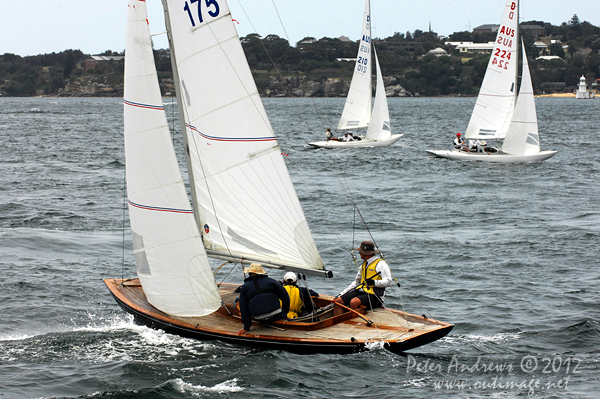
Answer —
(499, 114)
(359, 112)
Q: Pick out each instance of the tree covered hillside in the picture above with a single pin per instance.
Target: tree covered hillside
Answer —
(321, 67)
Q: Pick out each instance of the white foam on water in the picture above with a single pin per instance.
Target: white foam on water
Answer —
(417, 382)
(496, 338)
(144, 344)
(111, 324)
(228, 386)
(16, 337)
(375, 344)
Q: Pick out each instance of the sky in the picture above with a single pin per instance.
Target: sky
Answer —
(46, 26)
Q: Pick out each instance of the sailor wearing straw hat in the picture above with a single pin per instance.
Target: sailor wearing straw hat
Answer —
(260, 298)
(368, 288)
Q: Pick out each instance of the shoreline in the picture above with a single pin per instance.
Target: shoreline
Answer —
(553, 95)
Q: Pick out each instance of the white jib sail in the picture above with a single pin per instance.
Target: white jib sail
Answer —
(496, 101)
(171, 261)
(379, 128)
(357, 110)
(523, 137)
(248, 205)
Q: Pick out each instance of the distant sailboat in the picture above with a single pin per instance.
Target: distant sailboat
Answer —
(498, 114)
(359, 113)
(245, 208)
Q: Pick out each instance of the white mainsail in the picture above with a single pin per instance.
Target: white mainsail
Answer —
(496, 101)
(171, 261)
(357, 110)
(379, 127)
(523, 137)
(247, 205)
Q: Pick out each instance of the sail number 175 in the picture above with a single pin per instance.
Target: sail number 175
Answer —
(213, 12)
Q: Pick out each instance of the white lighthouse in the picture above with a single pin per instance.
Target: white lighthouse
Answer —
(582, 91)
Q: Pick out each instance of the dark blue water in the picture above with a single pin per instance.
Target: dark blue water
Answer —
(508, 253)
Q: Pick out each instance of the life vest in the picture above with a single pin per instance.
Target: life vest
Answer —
(369, 272)
(296, 303)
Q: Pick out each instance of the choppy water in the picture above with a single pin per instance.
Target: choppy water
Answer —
(508, 253)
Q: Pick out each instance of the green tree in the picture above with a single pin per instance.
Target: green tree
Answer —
(574, 46)
(556, 48)
(69, 62)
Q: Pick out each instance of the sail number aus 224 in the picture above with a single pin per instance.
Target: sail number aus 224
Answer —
(501, 58)
(211, 6)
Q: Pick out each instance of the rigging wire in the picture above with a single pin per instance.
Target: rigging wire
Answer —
(277, 69)
(124, 217)
(227, 275)
(344, 182)
(172, 124)
(356, 209)
(343, 178)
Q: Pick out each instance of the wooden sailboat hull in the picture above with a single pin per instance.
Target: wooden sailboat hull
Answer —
(358, 143)
(495, 157)
(346, 333)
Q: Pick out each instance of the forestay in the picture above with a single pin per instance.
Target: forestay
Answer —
(170, 258)
(357, 110)
(495, 104)
(523, 137)
(248, 207)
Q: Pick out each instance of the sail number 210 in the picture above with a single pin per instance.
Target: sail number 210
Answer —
(361, 64)
(213, 12)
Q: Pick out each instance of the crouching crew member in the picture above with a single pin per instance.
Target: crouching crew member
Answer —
(261, 298)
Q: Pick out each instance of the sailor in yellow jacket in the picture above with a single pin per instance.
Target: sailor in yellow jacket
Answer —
(300, 301)
(368, 288)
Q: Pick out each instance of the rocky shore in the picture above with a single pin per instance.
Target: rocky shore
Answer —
(94, 86)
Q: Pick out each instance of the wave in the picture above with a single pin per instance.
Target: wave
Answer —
(187, 388)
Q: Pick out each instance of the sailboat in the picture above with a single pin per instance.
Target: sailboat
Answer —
(359, 113)
(245, 208)
(499, 113)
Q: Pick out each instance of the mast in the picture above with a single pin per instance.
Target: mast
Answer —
(182, 117)
(517, 35)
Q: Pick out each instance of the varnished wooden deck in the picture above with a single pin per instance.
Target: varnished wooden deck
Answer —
(344, 333)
